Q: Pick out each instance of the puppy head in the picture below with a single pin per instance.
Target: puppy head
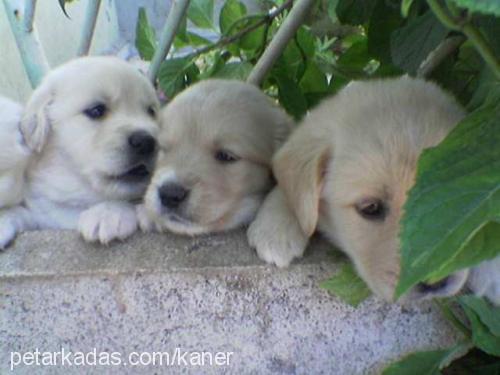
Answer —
(98, 114)
(216, 142)
(350, 168)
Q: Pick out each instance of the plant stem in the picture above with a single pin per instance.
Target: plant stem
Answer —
(225, 40)
(29, 15)
(471, 32)
(26, 37)
(436, 57)
(91, 14)
(280, 40)
(177, 11)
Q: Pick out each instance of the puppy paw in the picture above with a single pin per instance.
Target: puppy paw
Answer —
(484, 280)
(7, 233)
(108, 221)
(275, 233)
(146, 223)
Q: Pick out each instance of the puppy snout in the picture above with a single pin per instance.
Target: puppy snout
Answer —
(172, 195)
(142, 143)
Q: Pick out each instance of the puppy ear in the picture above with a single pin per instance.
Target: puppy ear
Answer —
(35, 124)
(282, 129)
(299, 168)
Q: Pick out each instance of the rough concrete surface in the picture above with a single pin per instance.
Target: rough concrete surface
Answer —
(156, 293)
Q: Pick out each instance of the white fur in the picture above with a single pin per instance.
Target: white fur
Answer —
(484, 280)
(14, 154)
(75, 177)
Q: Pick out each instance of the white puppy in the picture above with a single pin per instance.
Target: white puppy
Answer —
(346, 172)
(216, 143)
(92, 126)
(14, 154)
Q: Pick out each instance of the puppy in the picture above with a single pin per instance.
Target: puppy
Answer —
(346, 171)
(216, 143)
(14, 154)
(91, 125)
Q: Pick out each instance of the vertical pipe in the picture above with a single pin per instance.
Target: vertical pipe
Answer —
(175, 15)
(279, 42)
(29, 15)
(91, 14)
(26, 37)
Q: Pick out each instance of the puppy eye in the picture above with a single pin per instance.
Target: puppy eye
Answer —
(371, 209)
(224, 156)
(96, 112)
(152, 111)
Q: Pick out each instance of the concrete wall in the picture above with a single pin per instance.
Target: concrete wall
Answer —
(156, 293)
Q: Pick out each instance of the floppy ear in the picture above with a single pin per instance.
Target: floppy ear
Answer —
(299, 168)
(35, 124)
(282, 129)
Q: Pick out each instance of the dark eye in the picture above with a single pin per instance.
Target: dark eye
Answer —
(371, 209)
(96, 112)
(224, 156)
(152, 111)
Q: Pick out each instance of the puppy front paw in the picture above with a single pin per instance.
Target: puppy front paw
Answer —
(275, 233)
(108, 221)
(146, 223)
(7, 232)
(484, 280)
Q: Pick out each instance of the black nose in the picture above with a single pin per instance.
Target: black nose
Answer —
(434, 287)
(172, 195)
(142, 143)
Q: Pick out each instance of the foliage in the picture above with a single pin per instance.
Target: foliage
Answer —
(452, 216)
(347, 286)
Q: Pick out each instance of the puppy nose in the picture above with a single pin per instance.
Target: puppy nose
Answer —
(142, 143)
(434, 287)
(172, 195)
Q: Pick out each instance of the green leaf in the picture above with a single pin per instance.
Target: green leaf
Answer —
(292, 61)
(313, 80)
(490, 28)
(482, 6)
(348, 286)
(145, 37)
(481, 335)
(231, 12)
(488, 314)
(405, 7)
(354, 61)
(235, 70)
(253, 40)
(175, 74)
(305, 39)
(411, 44)
(427, 363)
(384, 20)
(200, 12)
(289, 94)
(452, 213)
(354, 12)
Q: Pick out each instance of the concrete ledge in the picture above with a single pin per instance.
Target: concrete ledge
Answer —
(156, 293)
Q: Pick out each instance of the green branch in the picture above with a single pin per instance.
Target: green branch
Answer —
(470, 31)
(228, 39)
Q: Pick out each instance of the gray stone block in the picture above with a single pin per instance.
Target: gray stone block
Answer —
(156, 293)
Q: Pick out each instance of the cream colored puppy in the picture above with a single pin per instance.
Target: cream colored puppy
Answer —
(346, 172)
(216, 143)
(92, 126)
(14, 154)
